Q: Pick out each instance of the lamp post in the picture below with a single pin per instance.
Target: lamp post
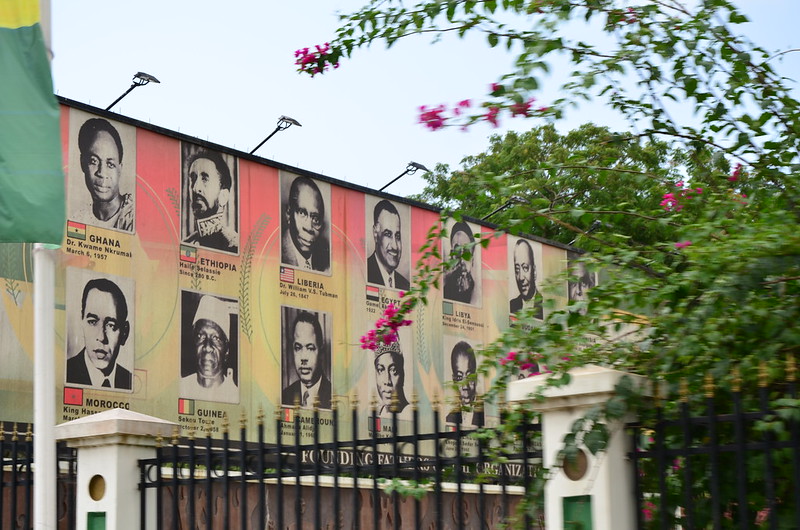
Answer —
(139, 79)
(410, 170)
(284, 122)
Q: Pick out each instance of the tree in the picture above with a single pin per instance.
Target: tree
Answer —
(611, 176)
(720, 287)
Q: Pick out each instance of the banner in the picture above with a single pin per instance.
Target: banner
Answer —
(31, 178)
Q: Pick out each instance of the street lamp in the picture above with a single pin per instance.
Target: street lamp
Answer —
(284, 122)
(410, 170)
(139, 79)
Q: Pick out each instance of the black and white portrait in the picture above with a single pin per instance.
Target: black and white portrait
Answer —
(463, 366)
(387, 242)
(102, 173)
(462, 283)
(524, 261)
(581, 278)
(393, 376)
(99, 330)
(306, 359)
(209, 348)
(305, 223)
(209, 199)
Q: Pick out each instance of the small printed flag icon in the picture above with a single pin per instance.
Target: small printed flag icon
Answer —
(378, 424)
(373, 293)
(447, 308)
(73, 396)
(287, 275)
(288, 414)
(188, 254)
(76, 230)
(185, 406)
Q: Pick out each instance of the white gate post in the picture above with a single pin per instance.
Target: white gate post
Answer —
(110, 445)
(607, 478)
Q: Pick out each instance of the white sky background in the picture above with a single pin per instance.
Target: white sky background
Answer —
(227, 73)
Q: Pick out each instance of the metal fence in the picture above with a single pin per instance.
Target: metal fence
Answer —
(730, 460)
(16, 483)
(434, 479)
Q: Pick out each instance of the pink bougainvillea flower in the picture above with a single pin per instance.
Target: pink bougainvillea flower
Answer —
(737, 172)
(682, 244)
(433, 118)
(495, 87)
(491, 116)
(522, 109)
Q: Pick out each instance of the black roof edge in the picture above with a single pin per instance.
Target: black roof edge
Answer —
(286, 167)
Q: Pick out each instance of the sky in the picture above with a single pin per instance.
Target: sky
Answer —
(227, 75)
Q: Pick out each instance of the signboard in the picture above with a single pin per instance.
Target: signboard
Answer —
(199, 285)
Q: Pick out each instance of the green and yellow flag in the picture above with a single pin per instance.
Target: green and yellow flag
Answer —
(31, 175)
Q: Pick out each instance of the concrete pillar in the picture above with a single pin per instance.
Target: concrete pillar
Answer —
(110, 445)
(600, 490)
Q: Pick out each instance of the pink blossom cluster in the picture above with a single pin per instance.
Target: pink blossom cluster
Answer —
(673, 202)
(385, 330)
(737, 172)
(648, 510)
(525, 363)
(436, 117)
(682, 244)
(313, 61)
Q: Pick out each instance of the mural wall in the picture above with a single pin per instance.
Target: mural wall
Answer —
(198, 286)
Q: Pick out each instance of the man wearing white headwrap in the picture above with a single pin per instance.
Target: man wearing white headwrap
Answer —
(213, 378)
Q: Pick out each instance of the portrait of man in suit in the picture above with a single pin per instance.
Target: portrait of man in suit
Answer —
(464, 369)
(383, 263)
(105, 329)
(462, 281)
(305, 242)
(305, 349)
(525, 279)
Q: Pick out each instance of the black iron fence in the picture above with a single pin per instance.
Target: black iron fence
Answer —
(728, 460)
(16, 482)
(387, 479)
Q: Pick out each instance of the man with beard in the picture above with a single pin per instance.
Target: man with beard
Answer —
(463, 364)
(210, 335)
(390, 378)
(459, 283)
(101, 153)
(210, 184)
(307, 349)
(382, 264)
(104, 322)
(525, 276)
(303, 243)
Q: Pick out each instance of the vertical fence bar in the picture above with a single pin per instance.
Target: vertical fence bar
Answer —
(741, 451)
(769, 471)
(481, 469)
(160, 458)
(279, 464)
(686, 427)
(504, 474)
(356, 491)
(415, 428)
(794, 433)
(716, 512)
(637, 481)
(28, 475)
(209, 483)
(317, 470)
(142, 495)
(526, 476)
(226, 475)
(459, 472)
(243, 470)
(2, 469)
(337, 507)
(298, 489)
(191, 495)
(661, 466)
(14, 474)
(262, 486)
(175, 515)
(395, 464)
(437, 464)
(376, 500)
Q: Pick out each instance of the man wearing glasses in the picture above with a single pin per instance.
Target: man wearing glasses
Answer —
(304, 243)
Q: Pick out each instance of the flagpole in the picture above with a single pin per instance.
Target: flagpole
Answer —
(44, 385)
(44, 379)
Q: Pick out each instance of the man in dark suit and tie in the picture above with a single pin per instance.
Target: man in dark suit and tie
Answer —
(105, 326)
(464, 365)
(307, 350)
(382, 264)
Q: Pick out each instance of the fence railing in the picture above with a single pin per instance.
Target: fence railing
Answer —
(730, 461)
(434, 479)
(18, 472)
